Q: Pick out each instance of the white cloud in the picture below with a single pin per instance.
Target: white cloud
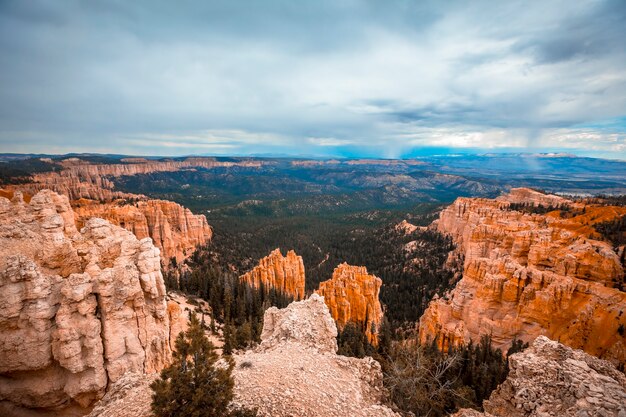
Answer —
(308, 79)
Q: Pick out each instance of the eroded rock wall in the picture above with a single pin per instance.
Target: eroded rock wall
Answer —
(81, 179)
(78, 309)
(174, 229)
(527, 275)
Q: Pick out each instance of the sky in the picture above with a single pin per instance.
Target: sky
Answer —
(390, 79)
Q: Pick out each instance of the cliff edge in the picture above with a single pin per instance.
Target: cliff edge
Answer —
(78, 309)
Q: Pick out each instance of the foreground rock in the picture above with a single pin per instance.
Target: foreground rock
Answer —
(174, 229)
(352, 297)
(77, 309)
(283, 273)
(550, 379)
(527, 275)
(295, 371)
(130, 396)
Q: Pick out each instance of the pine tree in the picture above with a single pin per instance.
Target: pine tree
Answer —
(194, 385)
(229, 339)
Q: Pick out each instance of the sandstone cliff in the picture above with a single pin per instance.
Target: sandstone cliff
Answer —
(527, 275)
(175, 230)
(81, 179)
(295, 371)
(77, 309)
(550, 379)
(352, 297)
(284, 273)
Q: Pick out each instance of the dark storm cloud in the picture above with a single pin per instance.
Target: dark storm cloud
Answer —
(596, 33)
(312, 77)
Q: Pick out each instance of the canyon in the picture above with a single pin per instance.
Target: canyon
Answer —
(352, 295)
(528, 274)
(84, 314)
(79, 308)
(283, 273)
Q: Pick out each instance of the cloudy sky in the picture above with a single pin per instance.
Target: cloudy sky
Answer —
(337, 78)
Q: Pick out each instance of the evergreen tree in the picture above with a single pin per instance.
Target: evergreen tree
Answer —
(194, 386)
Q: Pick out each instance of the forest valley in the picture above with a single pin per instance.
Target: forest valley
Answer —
(413, 265)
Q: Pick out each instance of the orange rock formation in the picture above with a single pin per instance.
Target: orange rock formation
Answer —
(175, 230)
(352, 297)
(527, 275)
(282, 273)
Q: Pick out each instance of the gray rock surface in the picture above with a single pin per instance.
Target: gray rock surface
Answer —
(295, 371)
(551, 379)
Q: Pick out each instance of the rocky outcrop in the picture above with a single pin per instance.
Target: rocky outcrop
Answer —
(407, 228)
(283, 273)
(532, 197)
(528, 274)
(174, 229)
(295, 371)
(77, 309)
(352, 297)
(550, 379)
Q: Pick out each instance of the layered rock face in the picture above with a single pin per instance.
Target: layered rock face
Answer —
(175, 230)
(77, 309)
(550, 379)
(527, 275)
(352, 297)
(81, 179)
(283, 273)
(295, 371)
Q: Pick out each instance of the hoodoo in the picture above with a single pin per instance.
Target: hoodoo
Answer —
(283, 273)
(352, 297)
